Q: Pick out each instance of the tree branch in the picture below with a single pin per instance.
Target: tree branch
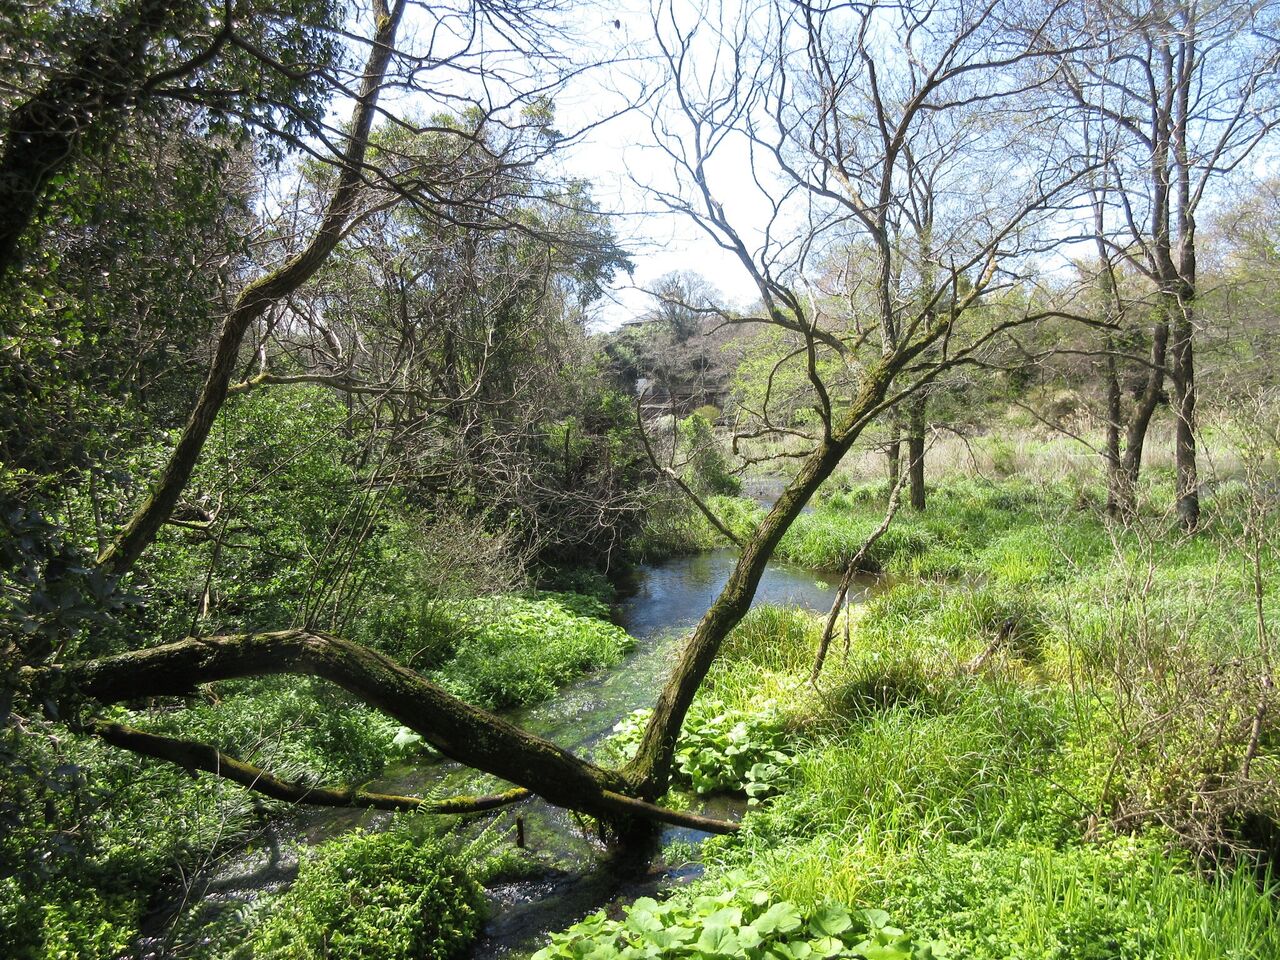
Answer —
(457, 729)
(193, 755)
(252, 302)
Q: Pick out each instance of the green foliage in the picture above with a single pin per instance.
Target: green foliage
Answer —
(954, 796)
(70, 920)
(390, 895)
(706, 469)
(745, 922)
(87, 834)
(517, 650)
(828, 539)
(774, 638)
(719, 751)
(297, 728)
(678, 527)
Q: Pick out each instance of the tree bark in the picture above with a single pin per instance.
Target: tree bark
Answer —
(457, 729)
(650, 769)
(193, 755)
(41, 136)
(915, 450)
(1140, 420)
(895, 455)
(1184, 387)
(1184, 368)
(1114, 414)
(254, 300)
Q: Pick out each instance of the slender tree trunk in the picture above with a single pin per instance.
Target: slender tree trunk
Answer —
(1184, 386)
(1183, 276)
(1183, 350)
(650, 770)
(1112, 453)
(894, 451)
(1136, 431)
(915, 450)
(254, 300)
(42, 133)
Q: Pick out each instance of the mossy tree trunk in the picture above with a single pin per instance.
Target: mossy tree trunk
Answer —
(254, 301)
(916, 449)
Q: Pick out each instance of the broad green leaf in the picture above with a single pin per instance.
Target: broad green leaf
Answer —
(827, 946)
(887, 951)
(719, 942)
(830, 920)
(782, 917)
(725, 917)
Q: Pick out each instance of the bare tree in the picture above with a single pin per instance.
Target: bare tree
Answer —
(837, 108)
(1176, 94)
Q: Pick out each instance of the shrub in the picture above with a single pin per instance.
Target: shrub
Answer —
(294, 727)
(68, 920)
(677, 527)
(707, 470)
(519, 650)
(387, 895)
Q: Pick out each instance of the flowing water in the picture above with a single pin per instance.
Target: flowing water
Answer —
(660, 602)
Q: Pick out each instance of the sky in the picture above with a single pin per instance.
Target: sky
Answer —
(620, 160)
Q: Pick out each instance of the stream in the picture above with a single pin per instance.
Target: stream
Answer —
(659, 602)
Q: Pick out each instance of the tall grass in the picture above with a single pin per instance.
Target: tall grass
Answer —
(1012, 755)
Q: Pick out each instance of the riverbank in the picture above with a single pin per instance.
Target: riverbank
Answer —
(1039, 742)
(562, 872)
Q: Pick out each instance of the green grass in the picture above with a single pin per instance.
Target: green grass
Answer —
(1011, 756)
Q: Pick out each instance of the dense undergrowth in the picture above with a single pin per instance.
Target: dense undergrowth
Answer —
(144, 824)
(1047, 737)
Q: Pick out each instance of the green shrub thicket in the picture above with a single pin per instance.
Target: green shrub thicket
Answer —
(390, 895)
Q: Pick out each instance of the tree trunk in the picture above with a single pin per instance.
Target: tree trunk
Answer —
(650, 769)
(1136, 431)
(1112, 453)
(915, 451)
(1184, 386)
(254, 300)
(895, 455)
(42, 133)
(457, 729)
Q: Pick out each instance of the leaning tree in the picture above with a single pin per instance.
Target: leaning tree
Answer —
(838, 110)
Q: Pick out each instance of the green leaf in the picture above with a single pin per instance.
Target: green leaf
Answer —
(887, 951)
(782, 917)
(875, 918)
(719, 942)
(830, 920)
(725, 917)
